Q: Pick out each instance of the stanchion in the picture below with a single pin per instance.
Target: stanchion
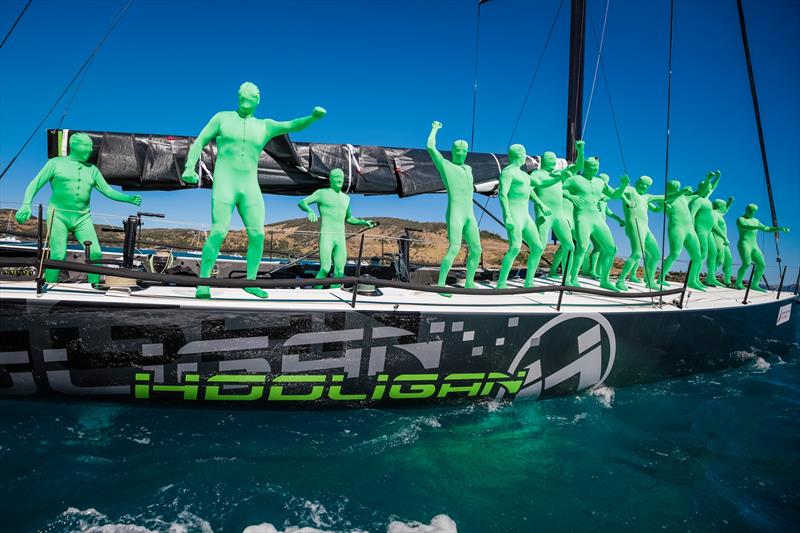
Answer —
(40, 253)
(87, 252)
(797, 283)
(685, 284)
(780, 285)
(749, 282)
(358, 272)
(563, 280)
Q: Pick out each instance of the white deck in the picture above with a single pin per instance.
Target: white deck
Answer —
(400, 300)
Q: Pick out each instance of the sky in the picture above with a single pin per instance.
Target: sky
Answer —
(385, 69)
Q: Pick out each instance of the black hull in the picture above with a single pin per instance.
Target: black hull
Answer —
(135, 352)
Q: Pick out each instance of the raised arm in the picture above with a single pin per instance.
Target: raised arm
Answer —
(102, 185)
(305, 203)
(436, 155)
(208, 133)
(275, 128)
(714, 181)
(728, 204)
(579, 154)
(616, 194)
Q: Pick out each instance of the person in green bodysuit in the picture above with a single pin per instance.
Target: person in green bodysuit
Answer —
(701, 209)
(590, 264)
(749, 252)
(547, 182)
(681, 233)
(72, 179)
(334, 210)
(559, 258)
(586, 191)
(724, 256)
(240, 139)
(514, 193)
(457, 179)
(636, 204)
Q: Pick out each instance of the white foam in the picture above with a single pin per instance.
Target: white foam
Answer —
(743, 355)
(605, 395)
(92, 521)
(761, 364)
(266, 527)
(439, 524)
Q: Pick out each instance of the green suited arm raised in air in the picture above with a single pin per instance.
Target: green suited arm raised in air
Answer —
(457, 178)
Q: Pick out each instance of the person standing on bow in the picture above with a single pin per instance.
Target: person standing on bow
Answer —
(240, 138)
(334, 210)
(547, 182)
(72, 179)
(590, 264)
(586, 190)
(457, 178)
(515, 192)
(680, 233)
(724, 256)
(702, 213)
(749, 252)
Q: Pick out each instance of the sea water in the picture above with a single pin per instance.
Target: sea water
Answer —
(707, 452)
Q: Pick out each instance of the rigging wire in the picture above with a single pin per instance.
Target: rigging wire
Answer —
(596, 68)
(13, 26)
(610, 102)
(475, 75)
(66, 89)
(666, 156)
(72, 98)
(757, 112)
(535, 72)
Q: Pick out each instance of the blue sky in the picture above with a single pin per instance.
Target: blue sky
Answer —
(385, 69)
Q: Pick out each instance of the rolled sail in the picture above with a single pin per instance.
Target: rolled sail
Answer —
(144, 161)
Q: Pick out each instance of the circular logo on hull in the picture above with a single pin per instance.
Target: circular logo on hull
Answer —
(569, 353)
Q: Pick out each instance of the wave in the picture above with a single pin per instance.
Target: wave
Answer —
(93, 521)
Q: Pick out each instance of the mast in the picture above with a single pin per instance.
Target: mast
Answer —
(757, 113)
(577, 41)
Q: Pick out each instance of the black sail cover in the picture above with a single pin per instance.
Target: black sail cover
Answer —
(143, 161)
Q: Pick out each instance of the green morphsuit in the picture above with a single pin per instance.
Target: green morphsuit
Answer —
(681, 233)
(461, 223)
(636, 204)
(334, 210)
(240, 138)
(514, 193)
(749, 252)
(586, 190)
(547, 182)
(702, 213)
(724, 256)
(590, 264)
(72, 179)
(568, 210)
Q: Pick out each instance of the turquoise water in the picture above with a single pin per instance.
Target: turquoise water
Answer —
(720, 451)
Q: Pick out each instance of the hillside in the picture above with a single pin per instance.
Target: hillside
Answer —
(298, 237)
